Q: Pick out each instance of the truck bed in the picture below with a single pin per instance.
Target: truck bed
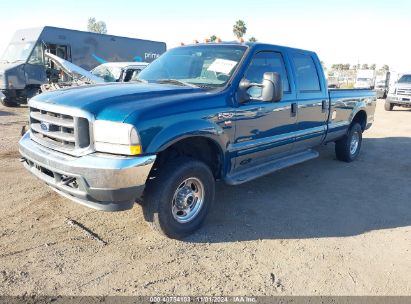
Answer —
(344, 104)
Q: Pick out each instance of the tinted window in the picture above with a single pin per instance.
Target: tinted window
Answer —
(266, 62)
(307, 76)
(405, 79)
(36, 56)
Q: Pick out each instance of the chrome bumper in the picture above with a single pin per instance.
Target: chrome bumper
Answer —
(100, 181)
(403, 100)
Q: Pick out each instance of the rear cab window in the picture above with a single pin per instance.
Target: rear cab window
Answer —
(309, 76)
(306, 73)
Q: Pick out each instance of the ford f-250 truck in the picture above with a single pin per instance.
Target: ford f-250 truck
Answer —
(400, 94)
(200, 113)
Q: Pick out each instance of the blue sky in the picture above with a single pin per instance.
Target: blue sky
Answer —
(339, 31)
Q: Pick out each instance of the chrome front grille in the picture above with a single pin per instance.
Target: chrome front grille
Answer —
(60, 131)
(404, 92)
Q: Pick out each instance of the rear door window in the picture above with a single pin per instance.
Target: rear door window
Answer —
(306, 72)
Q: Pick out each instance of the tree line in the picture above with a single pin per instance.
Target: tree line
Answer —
(239, 29)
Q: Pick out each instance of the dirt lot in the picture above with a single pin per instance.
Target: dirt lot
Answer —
(323, 227)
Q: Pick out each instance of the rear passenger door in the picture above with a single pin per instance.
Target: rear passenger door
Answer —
(312, 96)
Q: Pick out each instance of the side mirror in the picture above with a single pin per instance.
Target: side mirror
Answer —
(272, 87)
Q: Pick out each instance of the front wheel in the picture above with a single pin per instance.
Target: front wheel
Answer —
(8, 103)
(388, 106)
(348, 148)
(176, 201)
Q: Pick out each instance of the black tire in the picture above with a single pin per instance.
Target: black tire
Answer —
(158, 199)
(388, 106)
(8, 103)
(344, 149)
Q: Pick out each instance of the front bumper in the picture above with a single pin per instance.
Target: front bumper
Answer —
(403, 100)
(100, 181)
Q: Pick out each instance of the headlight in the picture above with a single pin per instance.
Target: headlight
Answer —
(116, 138)
(393, 97)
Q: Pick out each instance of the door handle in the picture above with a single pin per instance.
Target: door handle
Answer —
(293, 109)
(324, 105)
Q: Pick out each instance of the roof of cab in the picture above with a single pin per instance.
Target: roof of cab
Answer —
(251, 45)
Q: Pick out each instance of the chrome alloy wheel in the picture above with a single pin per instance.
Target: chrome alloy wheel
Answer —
(188, 200)
(355, 141)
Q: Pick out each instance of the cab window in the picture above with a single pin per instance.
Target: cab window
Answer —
(264, 62)
(307, 76)
(36, 56)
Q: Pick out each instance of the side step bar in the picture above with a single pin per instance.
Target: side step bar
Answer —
(270, 167)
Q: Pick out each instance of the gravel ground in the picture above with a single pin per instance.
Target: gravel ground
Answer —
(320, 228)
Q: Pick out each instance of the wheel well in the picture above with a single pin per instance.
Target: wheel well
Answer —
(201, 148)
(361, 118)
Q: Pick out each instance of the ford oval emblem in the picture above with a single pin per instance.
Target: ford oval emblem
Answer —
(45, 126)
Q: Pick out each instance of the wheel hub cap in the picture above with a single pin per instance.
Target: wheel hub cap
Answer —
(355, 140)
(185, 198)
(188, 200)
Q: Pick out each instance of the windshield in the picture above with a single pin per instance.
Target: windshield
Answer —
(109, 74)
(17, 52)
(202, 65)
(405, 79)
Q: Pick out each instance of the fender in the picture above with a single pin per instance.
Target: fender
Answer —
(185, 129)
(360, 106)
(367, 104)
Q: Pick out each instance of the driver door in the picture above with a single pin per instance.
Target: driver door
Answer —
(265, 130)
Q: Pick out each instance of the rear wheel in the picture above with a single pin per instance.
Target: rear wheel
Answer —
(348, 148)
(388, 106)
(176, 201)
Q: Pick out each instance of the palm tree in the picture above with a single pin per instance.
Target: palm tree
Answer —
(213, 38)
(239, 29)
(252, 39)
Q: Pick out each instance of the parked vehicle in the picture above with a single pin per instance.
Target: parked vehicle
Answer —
(382, 83)
(205, 112)
(74, 76)
(400, 93)
(365, 79)
(119, 71)
(24, 68)
(332, 82)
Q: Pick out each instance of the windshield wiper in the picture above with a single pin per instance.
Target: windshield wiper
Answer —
(138, 80)
(177, 82)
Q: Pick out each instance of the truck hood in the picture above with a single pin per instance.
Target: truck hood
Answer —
(4, 66)
(72, 69)
(403, 85)
(114, 101)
